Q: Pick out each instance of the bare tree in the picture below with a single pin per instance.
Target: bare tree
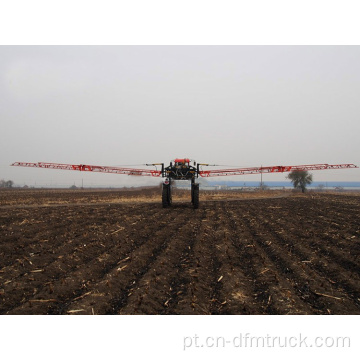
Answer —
(6, 184)
(300, 179)
(9, 184)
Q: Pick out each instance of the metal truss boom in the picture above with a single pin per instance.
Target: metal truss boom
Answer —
(202, 173)
(272, 169)
(92, 168)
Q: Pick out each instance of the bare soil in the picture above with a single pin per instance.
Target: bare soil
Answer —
(120, 252)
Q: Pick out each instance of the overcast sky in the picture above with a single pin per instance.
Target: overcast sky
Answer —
(231, 105)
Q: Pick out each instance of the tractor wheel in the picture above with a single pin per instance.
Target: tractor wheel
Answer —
(166, 196)
(169, 196)
(195, 196)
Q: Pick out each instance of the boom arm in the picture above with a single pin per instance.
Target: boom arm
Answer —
(202, 173)
(272, 169)
(93, 168)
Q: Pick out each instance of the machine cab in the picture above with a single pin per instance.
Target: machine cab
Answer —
(182, 162)
(180, 169)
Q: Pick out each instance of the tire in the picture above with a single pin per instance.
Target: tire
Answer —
(166, 196)
(169, 195)
(195, 196)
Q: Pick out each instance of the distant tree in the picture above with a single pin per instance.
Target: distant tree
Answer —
(300, 179)
(6, 184)
(9, 184)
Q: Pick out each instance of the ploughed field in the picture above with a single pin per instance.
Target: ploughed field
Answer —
(120, 252)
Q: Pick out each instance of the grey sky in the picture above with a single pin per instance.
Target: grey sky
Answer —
(237, 105)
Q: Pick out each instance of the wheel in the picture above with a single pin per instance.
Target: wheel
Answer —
(195, 196)
(169, 195)
(166, 196)
(165, 202)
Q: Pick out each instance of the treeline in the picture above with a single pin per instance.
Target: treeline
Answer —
(6, 183)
